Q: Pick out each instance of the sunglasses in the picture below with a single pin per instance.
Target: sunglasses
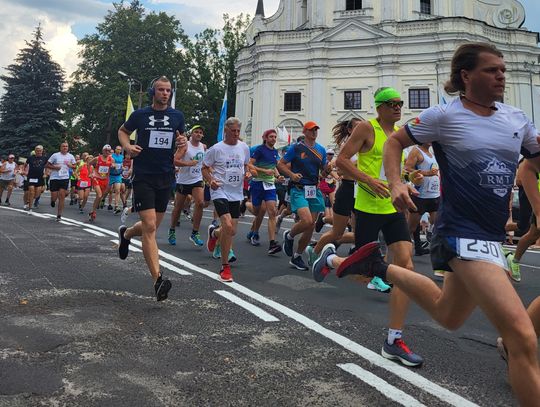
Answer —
(394, 104)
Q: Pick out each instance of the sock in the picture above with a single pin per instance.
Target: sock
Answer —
(193, 231)
(289, 237)
(272, 242)
(329, 260)
(296, 255)
(380, 269)
(393, 334)
(171, 230)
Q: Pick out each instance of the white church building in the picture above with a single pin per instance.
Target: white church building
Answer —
(323, 60)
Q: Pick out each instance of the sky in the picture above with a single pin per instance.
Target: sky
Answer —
(65, 21)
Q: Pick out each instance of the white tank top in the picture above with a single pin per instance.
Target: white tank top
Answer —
(431, 186)
(191, 175)
(11, 171)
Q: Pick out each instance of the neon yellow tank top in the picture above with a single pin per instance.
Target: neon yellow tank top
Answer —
(370, 162)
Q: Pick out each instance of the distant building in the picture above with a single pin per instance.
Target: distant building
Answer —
(323, 60)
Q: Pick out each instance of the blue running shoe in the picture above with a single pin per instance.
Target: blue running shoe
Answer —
(249, 235)
(255, 239)
(172, 237)
(216, 254)
(298, 262)
(378, 284)
(232, 257)
(195, 238)
(401, 352)
(320, 267)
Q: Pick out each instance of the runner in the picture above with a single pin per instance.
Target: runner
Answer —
(223, 169)
(263, 189)
(59, 163)
(102, 167)
(375, 213)
(84, 184)
(307, 160)
(115, 179)
(7, 178)
(73, 182)
(35, 165)
(153, 156)
(189, 181)
(477, 141)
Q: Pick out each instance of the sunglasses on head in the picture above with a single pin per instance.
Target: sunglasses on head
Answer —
(393, 103)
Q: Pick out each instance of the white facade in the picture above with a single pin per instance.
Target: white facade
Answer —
(322, 51)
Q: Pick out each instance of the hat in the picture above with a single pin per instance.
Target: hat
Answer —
(385, 94)
(106, 147)
(330, 151)
(197, 126)
(310, 125)
(11, 156)
(268, 132)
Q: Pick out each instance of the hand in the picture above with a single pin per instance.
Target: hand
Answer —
(280, 179)
(133, 149)
(433, 172)
(401, 198)
(296, 177)
(416, 177)
(181, 140)
(379, 188)
(268, 172)
(193, 163)
(214, 184)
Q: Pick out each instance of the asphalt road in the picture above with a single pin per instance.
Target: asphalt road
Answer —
(80, 327)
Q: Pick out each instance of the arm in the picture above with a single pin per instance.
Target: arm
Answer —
(528, 170)
(283, 168)
(179, 154)
(123, 137)
(208, 177)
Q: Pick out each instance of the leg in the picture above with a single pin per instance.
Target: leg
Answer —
(338, 227)
(179, 200)
(225, 234)
(61, 200)
(534, 314)
(272, 214)
(198, 199)
(31, 195)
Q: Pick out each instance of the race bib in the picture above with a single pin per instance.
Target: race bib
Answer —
(102, 169)
(285, 182)
(33, 180)
(310, 191)
(287, 197)
(433, 184)
(63, 172)
(160, 139)
(481, 250)
(83, 184)
(195, 171)
(382, 174)
(118, 166)
(125, 173)
(234, 176)
(268, 186)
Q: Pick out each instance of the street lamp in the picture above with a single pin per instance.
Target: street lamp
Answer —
(132, 80)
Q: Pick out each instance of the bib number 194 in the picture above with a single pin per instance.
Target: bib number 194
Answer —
(160, 139)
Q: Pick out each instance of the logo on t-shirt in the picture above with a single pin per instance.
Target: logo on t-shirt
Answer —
(498, 177)
(152, 120)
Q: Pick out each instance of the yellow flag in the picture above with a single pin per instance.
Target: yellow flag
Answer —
(129, 110)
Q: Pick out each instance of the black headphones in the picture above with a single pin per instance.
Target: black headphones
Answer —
(151, 91)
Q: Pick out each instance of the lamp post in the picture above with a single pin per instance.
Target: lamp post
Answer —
(531, 68)
(131, 81)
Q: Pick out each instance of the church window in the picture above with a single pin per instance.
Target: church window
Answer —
(425, 6)
(293, 102)
(353, 100)
(418, 98)
(353, 5)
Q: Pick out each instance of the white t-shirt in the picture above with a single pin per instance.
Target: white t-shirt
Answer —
(10, 174)
(228, 163)
(191, 175)
(63, 160)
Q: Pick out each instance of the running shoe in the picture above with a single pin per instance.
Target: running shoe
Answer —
(162, 287)
(102, 204)
(188, 216)
(117, 210)
(25, 207)
(288, 244)
(216, 253)
(7, 203)
(172, 237)
(311, 255)
(81, 211)
(110, 208)
(36, 202)
(123, 243)
(71, 202)
(232, 257)
(255, 239)
(92, 216)
(320, 222)
(279, 220)
(367, 261)
(250, 235)
(215, 223)
(53, 204)
(225, 273)
(320, 267)
(195, 238)
(401, 352)
(439, 274)
(124, 216)
(420, 251)
(378, 284)
(58, 218)
(515, 270)
(211, 240)
(298, 262)
(274, 248)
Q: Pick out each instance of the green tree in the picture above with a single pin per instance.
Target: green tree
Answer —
(30, 107)
(140, 44)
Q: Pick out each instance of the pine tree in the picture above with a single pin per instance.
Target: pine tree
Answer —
(30, 106)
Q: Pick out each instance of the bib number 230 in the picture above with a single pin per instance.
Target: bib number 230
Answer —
(483, 250)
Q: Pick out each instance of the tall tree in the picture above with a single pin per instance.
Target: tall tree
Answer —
(30, 107)
(142, 45)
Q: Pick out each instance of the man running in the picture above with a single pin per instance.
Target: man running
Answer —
(189, 181)
(375, 213)
(7, 177)
(223, 169)
(35, 165)
(159, 129)
(60, 163)
(477, 141)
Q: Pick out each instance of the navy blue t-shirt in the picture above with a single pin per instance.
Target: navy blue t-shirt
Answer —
(36, 165)
(156, 134)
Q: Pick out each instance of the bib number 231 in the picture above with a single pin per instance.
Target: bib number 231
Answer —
(160, 139)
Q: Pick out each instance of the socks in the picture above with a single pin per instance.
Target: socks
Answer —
(329, 260)
(393, 334)
(193, 231)
(296, 255)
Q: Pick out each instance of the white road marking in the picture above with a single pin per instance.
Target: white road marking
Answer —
(259, 312)
(391, 392)
(94, 232)
(401, 372)
(174, 268)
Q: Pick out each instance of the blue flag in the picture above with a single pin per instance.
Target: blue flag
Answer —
(222, 118)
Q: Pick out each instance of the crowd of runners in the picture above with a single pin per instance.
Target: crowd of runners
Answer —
(376, 192)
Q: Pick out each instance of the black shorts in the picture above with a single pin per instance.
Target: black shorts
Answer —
(425, 205)
(151, 192)
(344, 200)
(127, 182)
(56, 185)
(223, 207)
(442, 250)
(187, 189)
(368, 225)
(35, 182)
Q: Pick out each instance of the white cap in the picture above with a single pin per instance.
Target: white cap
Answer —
(330, 151)
(106, 147)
